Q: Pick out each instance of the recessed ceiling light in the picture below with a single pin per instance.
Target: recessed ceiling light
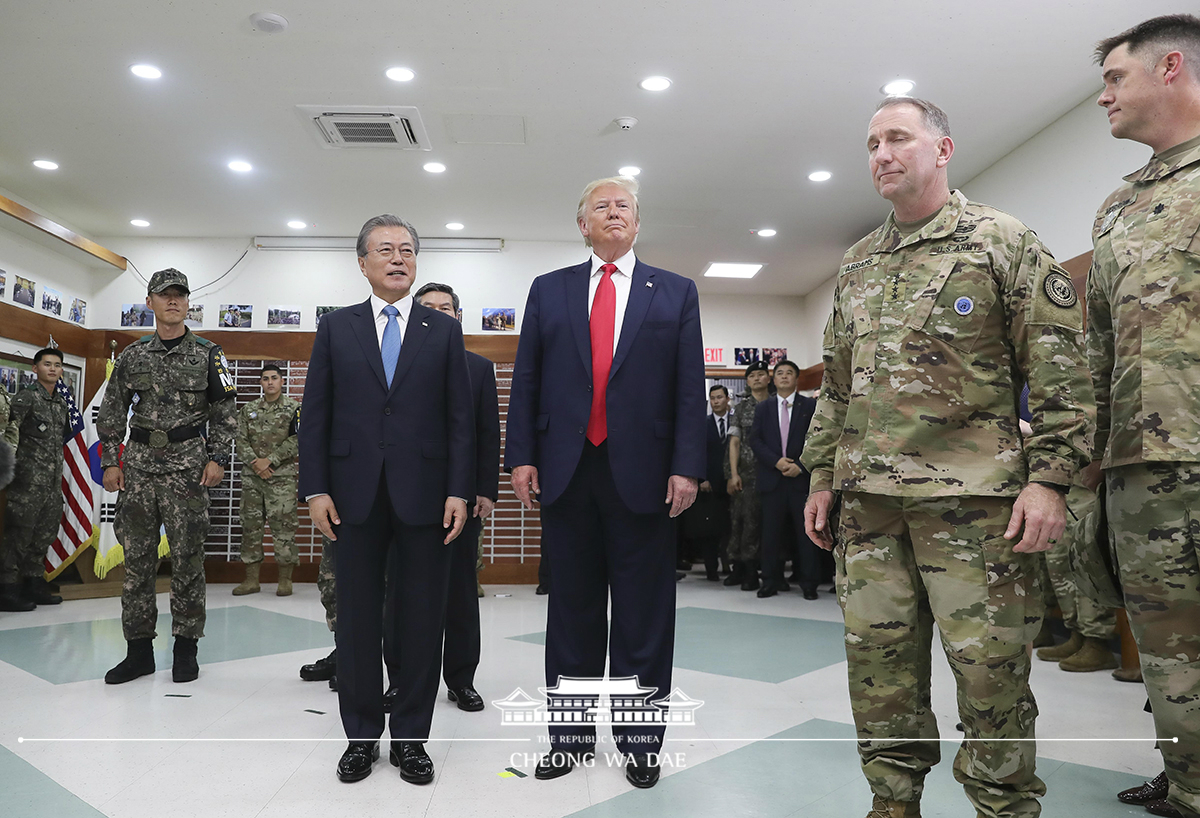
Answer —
(296, 224)
(766, 232)
(655, 84)
(45, 164)
(898, 88)
(139, 222)
(146, 72)
(435, 167)
(240, 166)
(454, 225)
(719, 269)
(400, 74)
(630, 170)
(820, 176)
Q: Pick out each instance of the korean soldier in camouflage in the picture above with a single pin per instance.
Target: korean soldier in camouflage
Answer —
(939, 318)
(40, 423)
(176, 384)
(268, 447)
(1144, 348)
(745, 507)
(325, 669)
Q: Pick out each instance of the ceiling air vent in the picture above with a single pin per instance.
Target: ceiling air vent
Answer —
(356, 126)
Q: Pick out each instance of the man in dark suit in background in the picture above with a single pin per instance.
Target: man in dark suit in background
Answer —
(605, 420)
(460, 653)
(387, 443)
(706, 523)
(783, 482)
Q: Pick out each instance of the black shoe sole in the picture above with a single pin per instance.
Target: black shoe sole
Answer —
(409, 777)
(186, 676)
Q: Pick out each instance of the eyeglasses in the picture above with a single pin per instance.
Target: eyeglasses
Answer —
(387, 251)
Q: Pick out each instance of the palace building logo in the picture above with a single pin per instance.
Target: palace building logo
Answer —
(619, 701)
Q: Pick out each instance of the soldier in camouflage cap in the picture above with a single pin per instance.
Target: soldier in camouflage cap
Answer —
(939, 318)
(40, 422)
(269, 450)
(176, 384)
(745, 507)
(1144, 349)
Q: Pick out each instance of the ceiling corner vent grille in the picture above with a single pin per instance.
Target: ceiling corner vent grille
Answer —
(367, 127)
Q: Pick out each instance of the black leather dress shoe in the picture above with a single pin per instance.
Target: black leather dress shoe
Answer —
(355, 764)
(389, 698)
(642, 771)
(320, 670)
(416, 767)
(333, 683)
(1164, 808)
(557, 763)
(467, 697)
(768, 589)
(1154, 790)
(542, 590)
(750, 583)
(810, 593)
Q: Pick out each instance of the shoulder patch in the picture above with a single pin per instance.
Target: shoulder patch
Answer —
(1060, 289)
(860, 265)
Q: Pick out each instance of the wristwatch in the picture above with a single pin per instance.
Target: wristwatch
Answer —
(221, 460)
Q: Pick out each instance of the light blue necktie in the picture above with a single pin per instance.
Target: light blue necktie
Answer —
(390, 348)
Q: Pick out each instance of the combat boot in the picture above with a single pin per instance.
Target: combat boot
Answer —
(138, 661)
(250, 583)
(37, 591)
(882, 808)
(1094, 655)
(285, 581)
(1060, 652)
(737, 576)
(12, 600)
(185, 668)
(750, 577)
(1045, 636)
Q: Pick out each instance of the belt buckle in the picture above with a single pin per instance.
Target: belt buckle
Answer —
(158, 439)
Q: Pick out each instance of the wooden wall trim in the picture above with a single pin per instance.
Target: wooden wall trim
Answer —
(35, 219)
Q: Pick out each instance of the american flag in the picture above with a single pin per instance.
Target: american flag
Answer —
(75, 528)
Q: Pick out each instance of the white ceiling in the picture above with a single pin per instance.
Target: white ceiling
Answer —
(764, 92)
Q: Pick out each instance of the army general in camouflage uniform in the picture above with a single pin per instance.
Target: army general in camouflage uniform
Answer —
(269, 450)
(940, 316)
(1144, 348)
(176, 383)
(39, 422)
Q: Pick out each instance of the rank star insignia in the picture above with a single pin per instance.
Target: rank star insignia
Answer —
(41, 427)
(1060, 290)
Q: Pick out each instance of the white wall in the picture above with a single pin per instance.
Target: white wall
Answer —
(29, 259)
(1056, 181)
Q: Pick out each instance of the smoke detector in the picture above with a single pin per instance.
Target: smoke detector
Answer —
(267, 22)
(364, 126)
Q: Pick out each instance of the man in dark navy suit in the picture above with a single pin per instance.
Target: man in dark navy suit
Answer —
(783, 482)
(460, 653)
(387, 453)
(606, 423)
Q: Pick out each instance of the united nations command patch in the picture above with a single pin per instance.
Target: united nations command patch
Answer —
(1060, 290)
(964, 305)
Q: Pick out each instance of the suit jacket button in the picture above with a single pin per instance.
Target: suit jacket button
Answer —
(580, 430)
(387, 410)
(381, 444)
(589, 387)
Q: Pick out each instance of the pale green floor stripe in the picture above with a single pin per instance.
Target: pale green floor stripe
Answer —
(823, 780)
(79, 651)
(28, 793)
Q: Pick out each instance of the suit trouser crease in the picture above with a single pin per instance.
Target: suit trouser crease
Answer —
(782, 508)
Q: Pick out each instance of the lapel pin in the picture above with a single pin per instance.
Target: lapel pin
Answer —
(424, 323)
(649, 283)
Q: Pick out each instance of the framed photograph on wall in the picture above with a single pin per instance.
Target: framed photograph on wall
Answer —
(499, 319)
(283, 317)
(51, 301)
(236, 316)
(195, 316)
(136, 315)
(78, 312)
(744, 356)
(23, 291)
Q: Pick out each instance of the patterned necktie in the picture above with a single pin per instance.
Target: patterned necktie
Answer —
(721, 427)
(603, 321)
(785, 423)
(390, 348)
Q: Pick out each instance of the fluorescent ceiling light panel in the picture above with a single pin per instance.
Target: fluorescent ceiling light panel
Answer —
(399, 74)
(146, 72)
(719, 269)
(898, 88)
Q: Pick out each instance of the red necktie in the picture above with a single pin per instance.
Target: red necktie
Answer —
(604, 316)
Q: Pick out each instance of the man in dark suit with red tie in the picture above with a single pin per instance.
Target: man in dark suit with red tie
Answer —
(387, 447)
(606, 423)
(777, 437)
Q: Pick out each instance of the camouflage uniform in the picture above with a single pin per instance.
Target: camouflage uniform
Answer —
(175, 391)
(932, 336)
(327, 583)
(5, 409)
(268, 429)
(1144, 350)
(35, 498)
(1079, 613)
(745, 507)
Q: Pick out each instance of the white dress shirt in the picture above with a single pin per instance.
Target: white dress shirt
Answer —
(719, 418)
(404, 305)
(622, 280)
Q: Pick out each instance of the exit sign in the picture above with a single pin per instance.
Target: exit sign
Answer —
(714, 355)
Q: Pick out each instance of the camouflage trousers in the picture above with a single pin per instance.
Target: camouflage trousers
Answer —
(745, 522)
(269, 501)
(1079, 613)
(177, 502)
(1154, 522)
(905, 564)
(327, 583)
(30, 526)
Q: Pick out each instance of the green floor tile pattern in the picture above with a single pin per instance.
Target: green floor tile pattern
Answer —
(79, 651)
(714, 641)
(29, 793)
(821, 779)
